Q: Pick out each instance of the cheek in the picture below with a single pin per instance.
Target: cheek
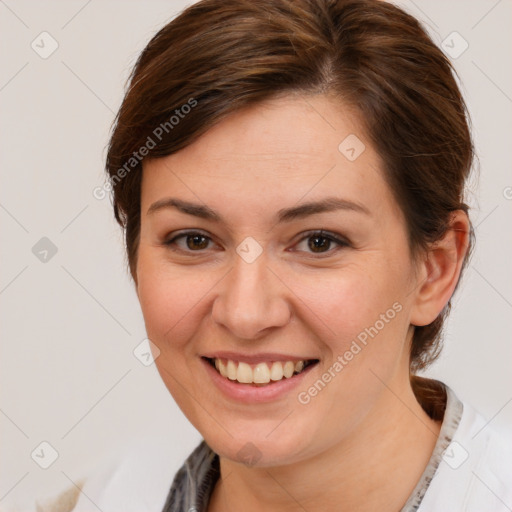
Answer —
(346, 303)
(363, 312)
(170, 300)
(171, 304)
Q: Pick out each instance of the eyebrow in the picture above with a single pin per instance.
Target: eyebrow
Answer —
(327, 204)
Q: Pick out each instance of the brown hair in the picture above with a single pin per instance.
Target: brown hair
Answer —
(219, 56)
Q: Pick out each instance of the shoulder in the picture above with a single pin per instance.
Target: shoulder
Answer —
(475, 472)
(139, 479)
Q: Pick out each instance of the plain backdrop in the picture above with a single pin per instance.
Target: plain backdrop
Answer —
(70, 319)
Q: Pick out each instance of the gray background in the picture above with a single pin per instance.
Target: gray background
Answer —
(70, 324)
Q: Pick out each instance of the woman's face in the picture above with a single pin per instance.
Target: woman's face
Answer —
(240, 276)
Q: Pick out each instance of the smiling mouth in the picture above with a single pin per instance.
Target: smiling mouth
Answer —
(260, 374)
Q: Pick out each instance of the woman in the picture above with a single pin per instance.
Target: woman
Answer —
(290, 177)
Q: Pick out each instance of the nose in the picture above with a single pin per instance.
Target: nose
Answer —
(252, 300)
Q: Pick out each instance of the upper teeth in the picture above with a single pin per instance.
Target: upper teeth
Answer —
(260, 373)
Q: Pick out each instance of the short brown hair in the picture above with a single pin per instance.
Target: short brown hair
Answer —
(227, 54)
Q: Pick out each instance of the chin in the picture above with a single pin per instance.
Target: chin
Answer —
(259, 449)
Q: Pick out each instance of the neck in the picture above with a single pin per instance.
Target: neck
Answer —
(376, 468)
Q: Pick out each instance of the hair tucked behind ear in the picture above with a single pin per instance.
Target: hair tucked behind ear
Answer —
(373, 56)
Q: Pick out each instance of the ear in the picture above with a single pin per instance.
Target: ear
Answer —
(439, 272)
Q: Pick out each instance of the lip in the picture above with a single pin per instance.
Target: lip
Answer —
(245, 393)
(262, 357)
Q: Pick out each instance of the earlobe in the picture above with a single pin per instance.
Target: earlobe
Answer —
(440, 270)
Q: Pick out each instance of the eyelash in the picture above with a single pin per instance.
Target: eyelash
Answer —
(342, 243)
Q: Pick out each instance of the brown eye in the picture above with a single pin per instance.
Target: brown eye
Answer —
(320, 242)
(194, 242)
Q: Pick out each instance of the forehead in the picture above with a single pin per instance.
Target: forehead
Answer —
(274, 153)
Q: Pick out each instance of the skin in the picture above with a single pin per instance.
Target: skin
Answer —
(337, 451)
